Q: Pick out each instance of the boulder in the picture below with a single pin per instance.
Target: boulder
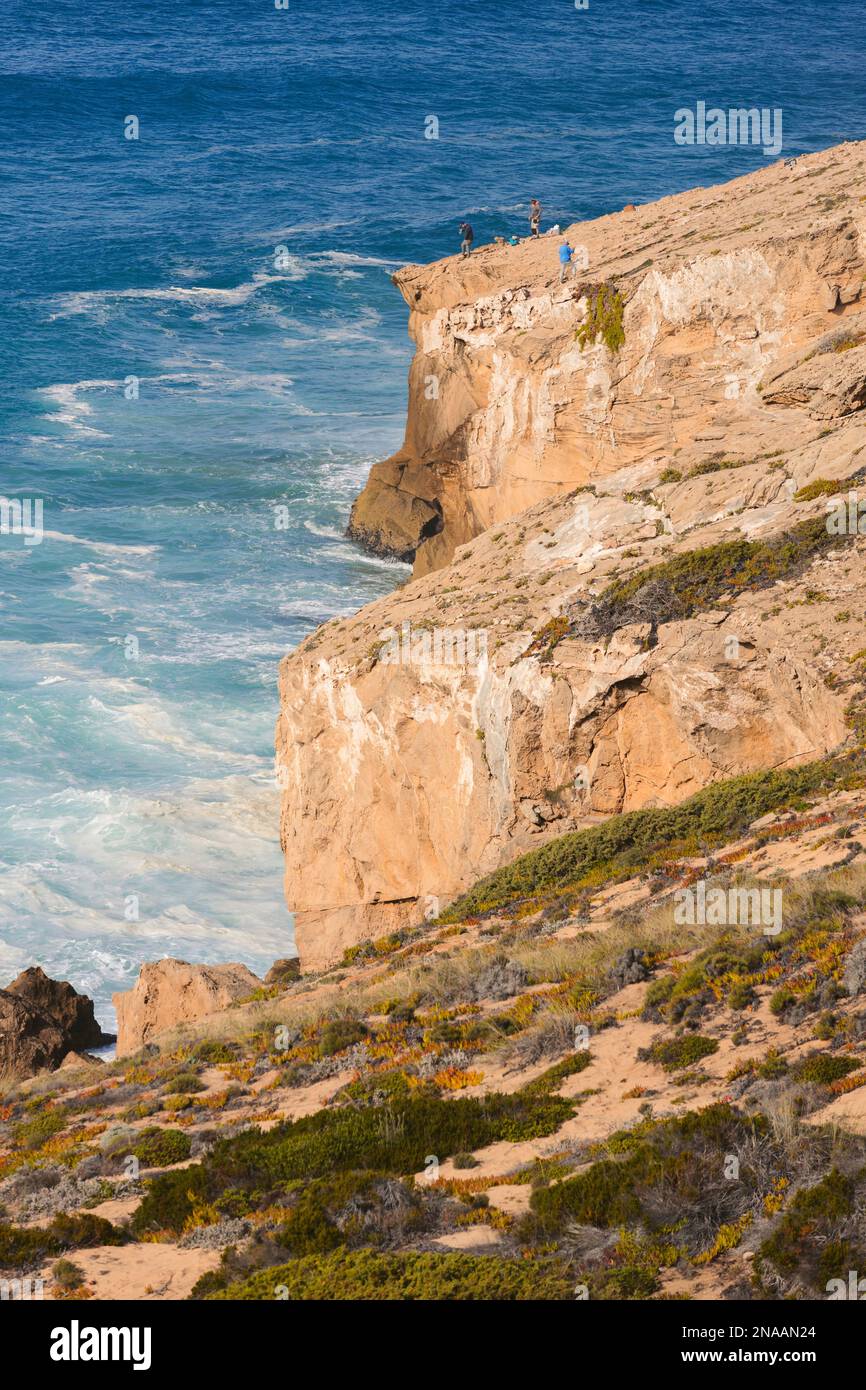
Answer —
(70, 1011)
(29, 1040)
(81, 1059)
(170, 992)
(284, 972)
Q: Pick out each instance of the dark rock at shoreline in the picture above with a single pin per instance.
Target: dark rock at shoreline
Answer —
(70, 1011)
(29, 1040)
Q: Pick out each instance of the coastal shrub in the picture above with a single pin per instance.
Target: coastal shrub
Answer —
(348, 1208)
(160, 1148)
(214, 1053)
(820, 487)
(716, 465)
(391, 1138)
(186, 1083)
(366, 1275)
(340, 1033)
(548, 1081)
(805, 1244)
(33, 1134)
(309, 1230)
(21, 1246)
(169, 1201)
(626, 1282)
(83, 1230)
(678, 588)
(651, 1173)
(24, 1245)
(675, 1054)
(823, 1068)
(685, 584)
(719, 968)
(67, 1276)
(621, 845)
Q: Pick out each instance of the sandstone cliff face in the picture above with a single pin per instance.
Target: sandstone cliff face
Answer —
(722, 288)
(475, 713)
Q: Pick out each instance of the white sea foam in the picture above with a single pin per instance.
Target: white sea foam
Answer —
(299, 229)
(91, 301)
(350, 258)
(102, 547)
(73, 411)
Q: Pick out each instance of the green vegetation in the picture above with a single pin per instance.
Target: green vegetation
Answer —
(659, 1170)
(675, 1054)
(186, 1083)
(159, 1148)
(349, 1208)
(370, 1276)
(686, 583)
(805, 1243)
(604, 318)
(214, 1053)
(169, 1201)
(32, 1134)
(823, 1068)
(21, 1246)
(67, 1276)
(392, 1139)
(726, 966)
(340, 1033)
(717, 466)
(820, 487)
(622, 845)
(547, 1082)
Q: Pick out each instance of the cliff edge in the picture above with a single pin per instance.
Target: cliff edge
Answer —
(507, 407)
(625, 585)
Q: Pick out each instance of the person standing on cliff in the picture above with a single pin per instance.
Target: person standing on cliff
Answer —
(466, 232)
(534, 216)
(565, 254)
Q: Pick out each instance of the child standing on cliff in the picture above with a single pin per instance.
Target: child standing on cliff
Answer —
(534, 216)
(468, 236)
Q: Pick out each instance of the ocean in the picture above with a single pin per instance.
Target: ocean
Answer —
(201, 354)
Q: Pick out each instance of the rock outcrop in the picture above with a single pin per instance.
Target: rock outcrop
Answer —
(484, 707)
(42, 1021)
(29, 1040)
(171, 992)
(71, 1012)
(717, 288)
(283, 972)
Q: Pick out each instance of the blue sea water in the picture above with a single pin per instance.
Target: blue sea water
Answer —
(169, 377)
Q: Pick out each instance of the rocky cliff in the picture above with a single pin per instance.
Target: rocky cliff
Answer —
(615, 492)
